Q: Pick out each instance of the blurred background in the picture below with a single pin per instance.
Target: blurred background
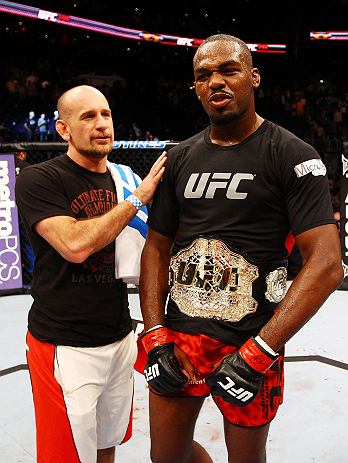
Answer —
(148, 84)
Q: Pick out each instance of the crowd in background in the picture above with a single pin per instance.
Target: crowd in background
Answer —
(152, 94)
(43, 59)
(167, 109)
(163, 108)
(39, 63)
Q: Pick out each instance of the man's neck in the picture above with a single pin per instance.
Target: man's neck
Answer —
(92, 164)
(236, 132)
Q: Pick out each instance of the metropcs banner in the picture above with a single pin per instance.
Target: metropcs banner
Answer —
(344, 214)
(10, 255)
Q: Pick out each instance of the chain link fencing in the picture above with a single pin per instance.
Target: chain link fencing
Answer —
(139, 155)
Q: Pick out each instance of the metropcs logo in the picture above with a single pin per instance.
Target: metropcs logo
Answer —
(9, 257)
(344, 210)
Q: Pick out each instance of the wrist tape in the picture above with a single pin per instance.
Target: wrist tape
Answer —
(256, 356)
(135, 201)
(156, 337)
(265, 345)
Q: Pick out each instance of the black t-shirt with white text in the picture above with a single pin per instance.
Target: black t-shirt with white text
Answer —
(74, 304)
(250, 195)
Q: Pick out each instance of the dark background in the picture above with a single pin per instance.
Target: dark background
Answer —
(158, 96)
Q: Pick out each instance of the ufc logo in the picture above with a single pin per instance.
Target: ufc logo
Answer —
(211, 278)
(48, 15)
(151, 372)
(240, 394)
(198, 183)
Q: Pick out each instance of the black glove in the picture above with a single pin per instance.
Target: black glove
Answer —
(238, 379)
(162, 370)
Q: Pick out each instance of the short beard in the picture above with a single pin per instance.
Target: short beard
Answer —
(94, 154)
(223, 118)
(104, 150)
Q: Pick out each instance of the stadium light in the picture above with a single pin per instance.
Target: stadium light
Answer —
(74, 21)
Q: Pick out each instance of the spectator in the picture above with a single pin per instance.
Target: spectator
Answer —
(52, 128)
(30, 125)
(43, 127)
(20, 161)
(121, 131)
(2, 132)
(12, 87)
(300, 105)
(149, 136)
(136, 130)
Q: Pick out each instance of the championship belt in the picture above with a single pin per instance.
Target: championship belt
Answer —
(213, 280)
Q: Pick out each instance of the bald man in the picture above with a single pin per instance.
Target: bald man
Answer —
(80, 344)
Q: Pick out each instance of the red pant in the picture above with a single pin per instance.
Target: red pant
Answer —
(204, 352)
(48, 400)
(54, 432)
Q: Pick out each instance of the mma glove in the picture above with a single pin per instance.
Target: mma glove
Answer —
(162, 370)
(238, 379)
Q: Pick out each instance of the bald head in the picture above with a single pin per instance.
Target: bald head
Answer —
(243, 47)
(69, 99)
(85, 122)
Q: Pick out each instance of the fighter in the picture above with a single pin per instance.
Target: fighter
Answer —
(220, 230)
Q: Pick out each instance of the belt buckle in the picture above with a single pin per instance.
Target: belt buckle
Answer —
(276, 284)
(212, 281)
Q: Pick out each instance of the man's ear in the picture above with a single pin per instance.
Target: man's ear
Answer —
(256, 78)
(195, 89)
(62, 129)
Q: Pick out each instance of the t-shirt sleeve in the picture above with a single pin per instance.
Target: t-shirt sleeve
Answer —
(306, 187)
(40, 195)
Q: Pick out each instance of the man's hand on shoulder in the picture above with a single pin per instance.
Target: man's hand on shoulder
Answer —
(147, 188)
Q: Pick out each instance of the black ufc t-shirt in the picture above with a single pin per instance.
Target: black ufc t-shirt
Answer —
(250, 195)
(74, 304)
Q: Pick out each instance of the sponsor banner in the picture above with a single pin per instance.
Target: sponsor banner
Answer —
(313, 166)
(10, 256)
(344, 214)
(88, 24)
(142, 144)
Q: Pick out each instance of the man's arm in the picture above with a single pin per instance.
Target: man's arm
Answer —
(75, 239)
(153, 291)
(238, 378)
(321, 274)
(154, 278)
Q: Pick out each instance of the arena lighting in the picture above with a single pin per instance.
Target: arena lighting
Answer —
(74, 21)
(329, 35)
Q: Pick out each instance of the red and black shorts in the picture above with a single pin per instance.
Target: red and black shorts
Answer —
(204, 353)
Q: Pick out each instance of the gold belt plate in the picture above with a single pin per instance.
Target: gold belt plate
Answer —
(211, 281)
